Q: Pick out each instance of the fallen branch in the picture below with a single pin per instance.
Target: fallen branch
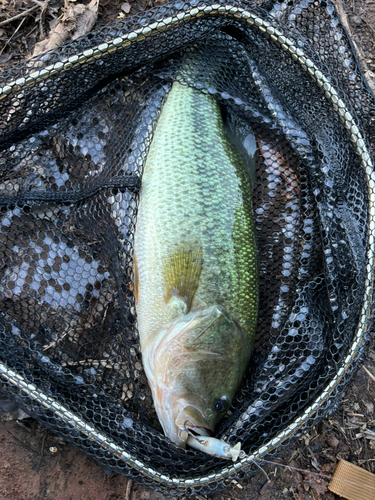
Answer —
(344, 19)
(76, 21)
(19, 16)
(11, 38)
(368, 373)
(41, 18)
(369, 75)
(128, 491)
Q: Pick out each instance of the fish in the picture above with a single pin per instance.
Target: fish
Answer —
(195, 268)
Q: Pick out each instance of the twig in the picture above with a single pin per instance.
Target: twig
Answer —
(23, 425)
(261, 469)
(366, 455)
(19, 16)
(41, 19)
(42, 449)
(37, 2)
(263, 488)
(54, 343)
(26, 36)
(128, 491)
(11, 38)
(368, 24)
(342, 14)
(344, 19)
(23, 443)
(369, 373)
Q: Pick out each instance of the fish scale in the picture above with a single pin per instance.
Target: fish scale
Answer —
(195, 192)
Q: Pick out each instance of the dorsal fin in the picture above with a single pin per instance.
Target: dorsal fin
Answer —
(182, 272)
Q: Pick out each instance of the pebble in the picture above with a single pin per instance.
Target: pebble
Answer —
(332, 441)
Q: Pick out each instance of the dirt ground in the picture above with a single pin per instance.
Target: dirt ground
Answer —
(35, 464)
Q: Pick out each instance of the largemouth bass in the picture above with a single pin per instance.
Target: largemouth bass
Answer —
(195, 266)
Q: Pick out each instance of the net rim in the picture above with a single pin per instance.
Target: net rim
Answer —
(359, 143)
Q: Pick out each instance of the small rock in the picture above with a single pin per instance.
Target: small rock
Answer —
(369, 407)
(332, 441)
(357, 20)
(126, 7)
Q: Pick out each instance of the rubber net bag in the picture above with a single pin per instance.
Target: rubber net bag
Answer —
(75, 130)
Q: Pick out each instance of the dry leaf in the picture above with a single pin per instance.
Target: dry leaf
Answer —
(369, 407)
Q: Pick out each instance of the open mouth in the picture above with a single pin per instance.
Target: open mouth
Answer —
(191, 422)
(195, 430)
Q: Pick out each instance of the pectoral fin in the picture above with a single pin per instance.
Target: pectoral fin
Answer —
(181, 275)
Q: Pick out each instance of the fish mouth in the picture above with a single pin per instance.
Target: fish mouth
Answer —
(190, 421)
(195, 430)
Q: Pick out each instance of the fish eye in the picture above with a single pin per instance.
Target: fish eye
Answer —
(222, 404)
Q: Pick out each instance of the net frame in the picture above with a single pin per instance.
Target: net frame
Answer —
(249, 16)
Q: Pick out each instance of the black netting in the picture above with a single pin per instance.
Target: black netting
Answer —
(75, 131)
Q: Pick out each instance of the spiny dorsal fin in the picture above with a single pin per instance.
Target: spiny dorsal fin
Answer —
(182, 272)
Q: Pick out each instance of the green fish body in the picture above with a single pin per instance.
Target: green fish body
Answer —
(196, 271)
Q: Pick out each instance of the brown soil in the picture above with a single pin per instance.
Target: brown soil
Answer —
(35, 464)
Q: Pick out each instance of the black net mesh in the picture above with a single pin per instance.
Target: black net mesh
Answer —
(76, 126)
